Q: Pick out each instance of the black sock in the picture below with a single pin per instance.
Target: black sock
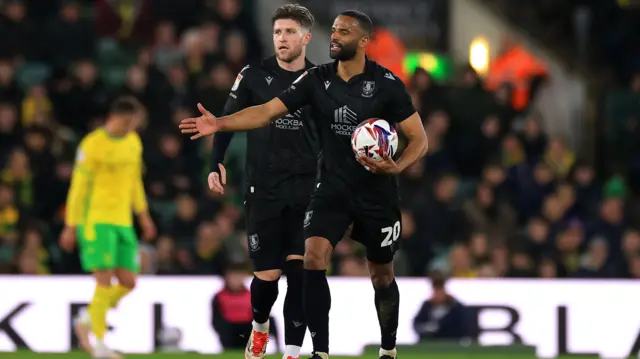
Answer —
(263, 295)
(388, 308)
(294, 323)
(317, 302)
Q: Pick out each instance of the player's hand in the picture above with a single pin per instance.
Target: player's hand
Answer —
(217, 181)
(148, 227)
(68, 239)
(205, 125)
(386, 166)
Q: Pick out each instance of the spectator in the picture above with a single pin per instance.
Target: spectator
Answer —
(536, 238)
(184, 224)
(479, 249)
(70, 38)
(235, 47)
(165, 45)
(533, 139)
(18, 175)
(548, 269)
(209, 254)
(17, 34)
(559, 158)
(594, 264)
(165, 256)
(429, 92)
(36, 107)
(487, 214)
(10, 91)
(87, 98)
(125, 20)
(232, 16)
(460, 262)
(442, 316)
(9, 130)
(522, 266)
(568, 244)
(231, 310)
(9, 214)
(440, 220)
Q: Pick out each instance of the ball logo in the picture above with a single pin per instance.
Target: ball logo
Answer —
(374, 138)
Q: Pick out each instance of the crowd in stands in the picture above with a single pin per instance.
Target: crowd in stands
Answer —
(494, 197)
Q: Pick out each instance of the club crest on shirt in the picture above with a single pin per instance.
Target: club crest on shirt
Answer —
(367, 88)
(237, 83)
(307, 218)
(254, 243)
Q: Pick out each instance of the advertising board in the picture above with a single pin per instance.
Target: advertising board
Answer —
(599, 317)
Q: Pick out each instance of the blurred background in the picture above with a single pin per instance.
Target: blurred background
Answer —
(531, 109)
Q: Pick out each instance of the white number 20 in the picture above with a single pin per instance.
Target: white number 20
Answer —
(393, 233)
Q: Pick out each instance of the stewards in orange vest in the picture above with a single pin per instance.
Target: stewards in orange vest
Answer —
(388, 50)
(517, 67)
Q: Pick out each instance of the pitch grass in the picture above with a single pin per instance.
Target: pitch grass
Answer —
(240, 355)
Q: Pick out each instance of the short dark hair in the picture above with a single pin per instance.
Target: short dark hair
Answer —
(294, 12)
(366, 25)
(438, 279)
(126, 105)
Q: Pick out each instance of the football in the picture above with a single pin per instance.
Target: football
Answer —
(373, 138)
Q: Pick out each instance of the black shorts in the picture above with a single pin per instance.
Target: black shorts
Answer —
(377, 229)
(274, 231)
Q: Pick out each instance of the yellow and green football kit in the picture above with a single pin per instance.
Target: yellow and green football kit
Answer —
(106, 189)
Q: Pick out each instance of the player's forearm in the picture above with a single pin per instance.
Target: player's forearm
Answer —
(143, 215)
(221, 142)
(416, 149)
(248, 119)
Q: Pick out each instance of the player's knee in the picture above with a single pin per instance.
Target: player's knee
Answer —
(381, 274)
(103, 277)
(268, 275)
(317, 253)
(381, 280)
(126, 278)
(128, 282)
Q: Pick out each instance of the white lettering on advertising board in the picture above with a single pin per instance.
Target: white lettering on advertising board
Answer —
(600, 317)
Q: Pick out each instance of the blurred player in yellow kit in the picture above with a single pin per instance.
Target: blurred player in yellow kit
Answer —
(106, 190)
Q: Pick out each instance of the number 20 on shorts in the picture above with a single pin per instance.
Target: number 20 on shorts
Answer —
(392, 234)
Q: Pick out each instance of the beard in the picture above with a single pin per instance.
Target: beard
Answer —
(345, 52)
(289, 56)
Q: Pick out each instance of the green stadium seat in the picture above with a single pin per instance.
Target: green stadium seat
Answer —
(113, 76)
(33, 73)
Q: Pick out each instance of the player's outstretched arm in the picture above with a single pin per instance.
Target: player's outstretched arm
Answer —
(418, 144)
(247, 119)
(254, 116)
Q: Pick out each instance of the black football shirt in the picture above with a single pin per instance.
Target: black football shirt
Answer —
(339, 107)
(282, 158)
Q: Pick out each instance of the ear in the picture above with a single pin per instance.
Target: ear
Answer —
(364, 41)
(306, 39)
